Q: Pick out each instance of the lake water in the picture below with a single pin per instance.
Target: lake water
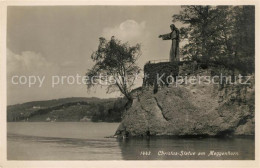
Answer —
(86, 141)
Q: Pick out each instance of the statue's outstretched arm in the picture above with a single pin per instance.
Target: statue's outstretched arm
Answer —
(166, 36)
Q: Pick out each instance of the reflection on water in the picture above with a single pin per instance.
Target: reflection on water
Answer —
(49, 148)
(85, 141)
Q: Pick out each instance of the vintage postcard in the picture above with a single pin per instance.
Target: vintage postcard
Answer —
(134, 84)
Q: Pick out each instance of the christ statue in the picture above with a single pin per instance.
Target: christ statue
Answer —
(174, 36)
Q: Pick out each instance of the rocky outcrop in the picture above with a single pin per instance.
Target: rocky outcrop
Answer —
(188, 110)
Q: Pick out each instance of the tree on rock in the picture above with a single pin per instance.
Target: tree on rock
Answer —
(115, 66)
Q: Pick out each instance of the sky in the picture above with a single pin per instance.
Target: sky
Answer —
(54, 41)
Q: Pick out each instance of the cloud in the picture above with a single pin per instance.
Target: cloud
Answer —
(129, 30)
(28, 63)
(68, 64)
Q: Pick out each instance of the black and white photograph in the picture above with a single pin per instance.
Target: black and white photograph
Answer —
(130, 82)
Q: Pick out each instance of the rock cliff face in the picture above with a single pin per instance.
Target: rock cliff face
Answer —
(189, 110)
